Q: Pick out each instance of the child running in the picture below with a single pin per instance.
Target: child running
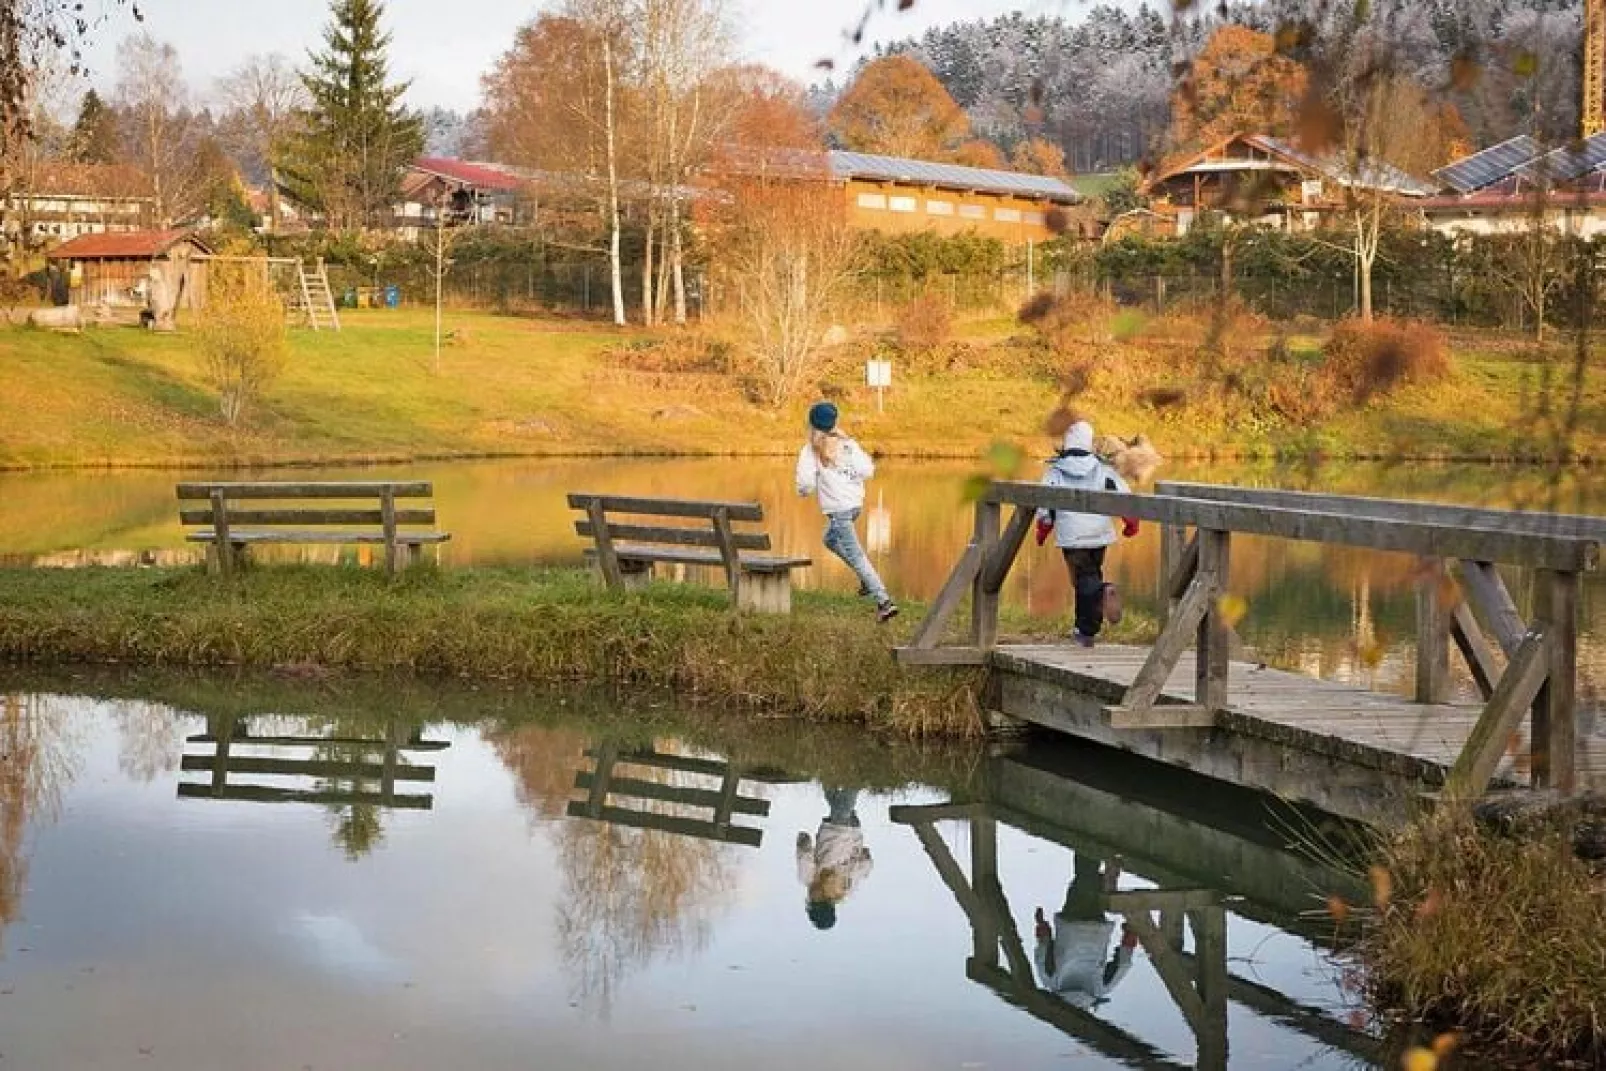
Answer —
(1084, 537)
(833, 467)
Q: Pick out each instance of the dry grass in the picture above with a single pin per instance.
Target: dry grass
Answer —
(1501, 937)
(827, 661)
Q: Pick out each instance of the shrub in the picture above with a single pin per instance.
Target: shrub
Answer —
(1364, 360)
(924, 324)
(679, 352)
(1070, 320)
(241, 336)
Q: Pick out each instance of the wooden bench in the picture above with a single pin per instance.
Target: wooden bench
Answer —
(626, 552)
(307, 513)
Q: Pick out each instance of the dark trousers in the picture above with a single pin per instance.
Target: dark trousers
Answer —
(1087, 580)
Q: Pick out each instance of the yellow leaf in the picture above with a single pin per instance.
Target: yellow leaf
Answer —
(1417, 1058)
(1445, 1043)
(1525, 65)
(1005, 459)
(1382, 886)
(975, 486)
(1338, 907)
(1233, 608)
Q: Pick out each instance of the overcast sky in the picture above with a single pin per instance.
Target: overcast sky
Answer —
(445, 47)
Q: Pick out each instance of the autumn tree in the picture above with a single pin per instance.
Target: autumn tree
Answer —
(1238, 82)
(355, 137)
(1039, 156)
(262, 97)
(160, 130)
(241, 338)
(765, 109)
(978, 152)
(897, 107)
(787, 254)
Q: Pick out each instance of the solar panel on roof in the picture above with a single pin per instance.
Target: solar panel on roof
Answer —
(1485, 168)
(1569, 163)
(900, 169)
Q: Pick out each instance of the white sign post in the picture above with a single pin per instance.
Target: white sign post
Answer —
(878, 374)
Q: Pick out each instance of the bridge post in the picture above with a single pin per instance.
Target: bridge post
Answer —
(1554, 728)
(1214, 643)
(1432, 636)
(1172, 543)
(984, 603)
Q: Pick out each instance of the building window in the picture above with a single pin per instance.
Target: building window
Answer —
(939, 208)
(1007, 215)
(1036, 219)
(901, 204)
(872, 200)
(972, 212)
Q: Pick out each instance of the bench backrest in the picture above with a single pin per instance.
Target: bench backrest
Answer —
(222, 511)
(601, 511)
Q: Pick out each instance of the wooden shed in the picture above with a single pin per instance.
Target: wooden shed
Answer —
(160, 270)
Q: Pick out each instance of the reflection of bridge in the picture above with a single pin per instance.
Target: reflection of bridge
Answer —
(1252, 725)
(351, 770)
(706, 813)
(1202, 867)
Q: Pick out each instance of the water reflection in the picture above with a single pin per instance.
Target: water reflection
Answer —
(353, 777)
(613, 886)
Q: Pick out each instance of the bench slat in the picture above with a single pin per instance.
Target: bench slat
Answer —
(247, 517)
(680, 537)
(280, 535)
(668, 507)
(757, 563)
(355, 489)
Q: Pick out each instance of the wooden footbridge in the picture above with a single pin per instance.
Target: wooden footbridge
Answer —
(1343, 747)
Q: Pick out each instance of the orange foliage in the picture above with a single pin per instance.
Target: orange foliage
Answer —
(1238, 83)
(979, 152)
(765, 109)
(1039, 156)
(898, 107)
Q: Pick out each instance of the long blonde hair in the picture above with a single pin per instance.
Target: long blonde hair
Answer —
(825, 445)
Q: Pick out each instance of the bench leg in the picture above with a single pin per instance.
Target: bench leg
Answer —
(765, 593)
(636, 575)
(229, 561)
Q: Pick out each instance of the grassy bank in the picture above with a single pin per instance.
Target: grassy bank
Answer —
(1498, 937)
(518, 386)
(827, 661)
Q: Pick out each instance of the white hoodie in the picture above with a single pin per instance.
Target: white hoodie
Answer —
(1084, 972)
(840, 488)
(1081, 530)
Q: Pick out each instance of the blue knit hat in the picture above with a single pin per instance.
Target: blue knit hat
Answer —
(822, 416)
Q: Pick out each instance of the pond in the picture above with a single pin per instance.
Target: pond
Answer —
(1336, 612)
(204, 872)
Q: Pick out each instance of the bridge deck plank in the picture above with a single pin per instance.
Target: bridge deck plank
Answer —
(1325, 717)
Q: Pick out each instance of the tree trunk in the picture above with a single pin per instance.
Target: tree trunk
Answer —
(646, 271)
(616, 272)
(677, 264)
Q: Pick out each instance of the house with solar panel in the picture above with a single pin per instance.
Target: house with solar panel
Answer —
(1507, 187)
(1260, 179)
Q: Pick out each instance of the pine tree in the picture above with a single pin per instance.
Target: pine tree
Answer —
(94, 135)
(356, 137)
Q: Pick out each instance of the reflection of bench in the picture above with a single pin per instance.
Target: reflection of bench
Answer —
(627, 552)
(348, 770)
(302, 513)
(726, 801)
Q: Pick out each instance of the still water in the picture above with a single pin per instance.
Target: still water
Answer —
(204, 873)
(1335, 612)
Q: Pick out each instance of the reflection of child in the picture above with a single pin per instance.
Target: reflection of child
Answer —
(1071, 956)
(836, 860)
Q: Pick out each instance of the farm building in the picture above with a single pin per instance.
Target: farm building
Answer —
(900, 195)
(57, 202)
(161, 270)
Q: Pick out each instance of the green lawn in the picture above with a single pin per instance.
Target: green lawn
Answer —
(514, 385)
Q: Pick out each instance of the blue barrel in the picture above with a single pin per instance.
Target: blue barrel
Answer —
(392, 296)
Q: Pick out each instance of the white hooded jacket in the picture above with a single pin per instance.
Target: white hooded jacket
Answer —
(840, 487)
(1077, 466)
(1083, 971)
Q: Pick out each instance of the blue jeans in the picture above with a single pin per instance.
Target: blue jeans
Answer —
(842, 540)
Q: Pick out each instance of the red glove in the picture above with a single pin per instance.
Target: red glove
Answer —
(1129, 938)
(1044, 527)
(1129, 526)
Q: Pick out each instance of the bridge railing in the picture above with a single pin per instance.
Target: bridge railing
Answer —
(1460, 595)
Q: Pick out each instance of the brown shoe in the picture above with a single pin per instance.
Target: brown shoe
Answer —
(1112, 604)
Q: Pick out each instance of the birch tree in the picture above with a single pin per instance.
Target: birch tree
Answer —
(159, 125)
(608, 23)
(262, 97)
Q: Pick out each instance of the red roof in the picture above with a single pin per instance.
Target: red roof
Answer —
(128, 244)
(486, 178)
